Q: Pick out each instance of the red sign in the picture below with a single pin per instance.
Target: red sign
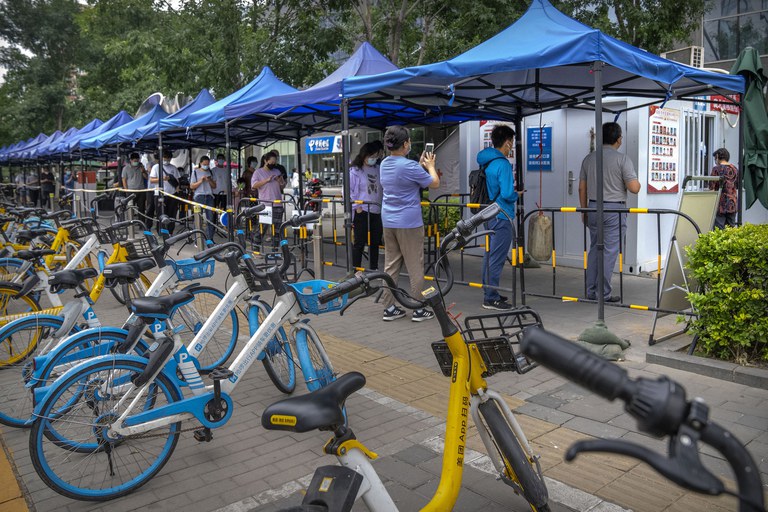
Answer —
(729, 105)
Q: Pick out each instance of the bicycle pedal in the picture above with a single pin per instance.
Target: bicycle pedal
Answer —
(203, 435)
(220, 373)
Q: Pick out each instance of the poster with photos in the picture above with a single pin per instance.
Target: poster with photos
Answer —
(663, 150)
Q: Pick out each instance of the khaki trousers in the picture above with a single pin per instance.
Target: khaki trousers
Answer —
(404, 245)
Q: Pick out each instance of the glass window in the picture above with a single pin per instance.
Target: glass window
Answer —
(753, 31)
(417, 142)
(721, 39)
(371, 136)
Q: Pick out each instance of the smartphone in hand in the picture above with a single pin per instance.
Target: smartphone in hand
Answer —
(429, 148)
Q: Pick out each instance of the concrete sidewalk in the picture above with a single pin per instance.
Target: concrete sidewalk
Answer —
(400, 414)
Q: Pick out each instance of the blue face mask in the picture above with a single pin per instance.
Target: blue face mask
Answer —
(205, 166)
(371, 161)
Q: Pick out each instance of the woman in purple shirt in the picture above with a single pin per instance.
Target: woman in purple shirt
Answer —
(268, 181)
(402, 180)
(365, 185)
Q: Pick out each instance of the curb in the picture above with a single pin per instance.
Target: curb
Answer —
(722, 370)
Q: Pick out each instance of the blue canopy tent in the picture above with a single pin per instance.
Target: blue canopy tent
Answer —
(122, 134)
(208, 127)
(119, 119)
(42, 149)
(62, 146)
(543, 61)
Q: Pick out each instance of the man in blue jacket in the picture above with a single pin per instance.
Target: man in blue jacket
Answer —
(500, 181)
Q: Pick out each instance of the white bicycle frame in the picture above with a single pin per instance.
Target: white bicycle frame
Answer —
(286, 308)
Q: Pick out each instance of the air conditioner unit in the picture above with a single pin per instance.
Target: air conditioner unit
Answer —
(692, 56)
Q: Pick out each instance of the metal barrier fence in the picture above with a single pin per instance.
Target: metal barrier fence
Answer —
(622, 247)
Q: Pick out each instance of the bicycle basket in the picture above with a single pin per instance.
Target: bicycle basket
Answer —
(307, 292)
(120, 234)
(498, 354)
(189, 269)
(137, 248)
(81, 231)
(255, 285)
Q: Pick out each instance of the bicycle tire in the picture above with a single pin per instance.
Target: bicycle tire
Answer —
(13, 305)
(315, 363)
(518, 467)
(129, 291)
(10, 267)
(221, 346)
(90, 473)
(277, 357)
(15, 398)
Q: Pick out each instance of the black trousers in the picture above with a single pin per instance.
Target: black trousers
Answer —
(150, 213)
(363, 222)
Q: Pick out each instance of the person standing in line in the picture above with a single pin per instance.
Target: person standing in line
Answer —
(170, 185)
(33, 187)
(729, 196)
(365, 185)
(21, 188)
(619, 177)
(402, 180)
(202, 183)
(280, 167)
(133, 177)
(220, 175)
(248, 175)
(47, 187)
(295, 183)
(268, 182)
(500, 182)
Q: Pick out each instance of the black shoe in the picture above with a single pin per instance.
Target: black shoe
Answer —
(498, 305)
(393, 313)
(422, 314)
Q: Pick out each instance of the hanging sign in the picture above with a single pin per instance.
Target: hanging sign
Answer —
(322, 145)
(663, 150)
(726, 104)
(539, 148)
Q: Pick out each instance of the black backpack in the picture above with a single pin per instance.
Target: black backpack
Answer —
(478, 190)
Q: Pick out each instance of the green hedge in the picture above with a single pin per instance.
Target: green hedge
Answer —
(452, 213)
(732, 267)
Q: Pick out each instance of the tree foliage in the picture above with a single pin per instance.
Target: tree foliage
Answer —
(69, 62)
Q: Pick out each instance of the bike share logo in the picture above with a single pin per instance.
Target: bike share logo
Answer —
(248, 359)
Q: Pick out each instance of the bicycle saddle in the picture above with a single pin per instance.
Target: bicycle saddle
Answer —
(33, 254)
(321, 409)
(160, 307)
(71, 278)
(29, 234)
(129, 271)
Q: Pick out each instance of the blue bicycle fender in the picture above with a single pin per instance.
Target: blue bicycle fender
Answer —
(40, 394)
(42, 361)
(11, 325)
(102, 258)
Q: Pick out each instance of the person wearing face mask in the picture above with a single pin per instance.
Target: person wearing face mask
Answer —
(269, 183)
(402, 180)
(220, 175)
(133, 177)
(365, 185)
(202, 183)
(500, 181)
(170, 185)
(250, 165)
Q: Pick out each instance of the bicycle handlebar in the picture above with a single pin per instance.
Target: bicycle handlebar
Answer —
(661, 409)
(363, 279)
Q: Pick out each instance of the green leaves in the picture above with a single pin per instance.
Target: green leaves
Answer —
(732, 267)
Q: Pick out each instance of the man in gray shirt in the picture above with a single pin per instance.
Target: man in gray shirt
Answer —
(134, 177)
(619, 177)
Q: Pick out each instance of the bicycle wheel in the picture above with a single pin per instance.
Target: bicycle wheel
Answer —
(13, 306)
(314, 361)
(11, 267)
(518, 468)
(277, 358)
(194, 315)
(80, 408)
(124, 293)
(18, 342)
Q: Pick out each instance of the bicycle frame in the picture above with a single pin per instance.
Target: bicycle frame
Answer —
(286, 308)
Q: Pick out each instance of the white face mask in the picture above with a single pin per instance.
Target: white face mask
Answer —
(371, 161)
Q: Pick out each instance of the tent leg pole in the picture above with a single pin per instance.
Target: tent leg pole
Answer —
(230, 219)
(519, 177)
(740, 187)
(598, 72)
(345, 180)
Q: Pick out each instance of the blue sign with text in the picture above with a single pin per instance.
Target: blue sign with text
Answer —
(539, 148)
(320, 145)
